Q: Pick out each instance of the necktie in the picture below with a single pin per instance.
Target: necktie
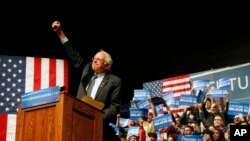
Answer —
(91, 84)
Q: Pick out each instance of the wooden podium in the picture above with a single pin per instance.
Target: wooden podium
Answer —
(70, 119)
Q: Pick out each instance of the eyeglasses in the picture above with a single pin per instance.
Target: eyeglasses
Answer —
(98, 59)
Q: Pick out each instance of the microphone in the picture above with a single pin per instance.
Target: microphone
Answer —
(62, 89)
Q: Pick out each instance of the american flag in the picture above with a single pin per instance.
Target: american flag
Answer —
(20, 75)
(155, 87)
(179, 85)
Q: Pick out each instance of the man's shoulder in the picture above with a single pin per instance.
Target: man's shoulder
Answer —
(113, 76)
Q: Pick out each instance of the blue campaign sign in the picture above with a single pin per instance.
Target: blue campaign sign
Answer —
(235, 108)
(239, 80)
(200, 84)
(159, 108)
(44, 96)
(224, 83)
(200, 96)
(197, 137)
(168, 95)
(138, 113)
(214, 92)
(188, 100)
(143, 104)
(141, 94)
(162, 121)
(173, 102)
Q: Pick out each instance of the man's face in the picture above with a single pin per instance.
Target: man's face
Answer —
(214, 108)
(207, 136)
(150, 116)
(98, 63)
(208, 105)
(187, 131)
(218, 121)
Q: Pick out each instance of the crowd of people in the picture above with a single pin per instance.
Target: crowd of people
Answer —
(208, 119)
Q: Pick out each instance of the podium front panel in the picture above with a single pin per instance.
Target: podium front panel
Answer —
(70, 119)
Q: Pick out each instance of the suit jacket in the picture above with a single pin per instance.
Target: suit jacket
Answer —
(109, 89)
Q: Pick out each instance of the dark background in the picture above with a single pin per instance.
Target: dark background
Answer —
(146, 44)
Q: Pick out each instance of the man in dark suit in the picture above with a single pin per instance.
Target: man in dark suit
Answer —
(106, 86)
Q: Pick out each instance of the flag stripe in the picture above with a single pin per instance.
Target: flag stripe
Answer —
(29, 74)
(11, 127)
(52, 72)
(59, 72)
(176, 87)
(3, 127)
(177, 110)
(45, 73)
(37, 74)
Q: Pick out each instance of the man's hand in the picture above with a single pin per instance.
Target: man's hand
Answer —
(56, 25)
